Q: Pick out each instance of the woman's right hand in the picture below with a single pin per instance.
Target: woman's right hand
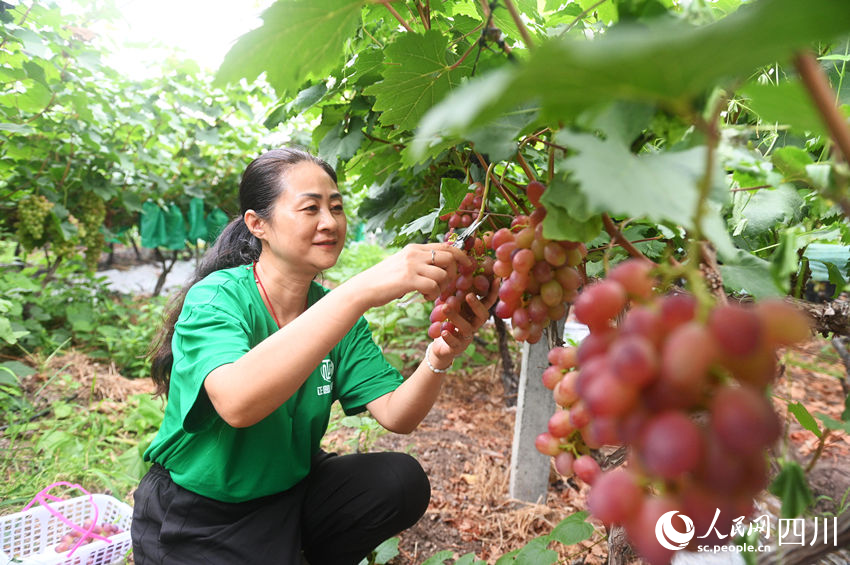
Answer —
(427, 268)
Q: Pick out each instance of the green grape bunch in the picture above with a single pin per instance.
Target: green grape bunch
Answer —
(33, 213)
(92, 216)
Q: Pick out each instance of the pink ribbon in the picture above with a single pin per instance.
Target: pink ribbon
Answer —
(42, 498)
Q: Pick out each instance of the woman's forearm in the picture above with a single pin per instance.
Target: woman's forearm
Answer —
(251, 388)
(403, 409)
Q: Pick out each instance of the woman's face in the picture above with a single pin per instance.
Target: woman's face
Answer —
(307, 224)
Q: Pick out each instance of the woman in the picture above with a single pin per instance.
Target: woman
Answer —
(251, 361)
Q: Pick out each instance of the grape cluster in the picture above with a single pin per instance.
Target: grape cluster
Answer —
(467, 211)
(684, 389)
(93, 215)
(33, 211)
(538, 275)
(72, 538)
(477, 278)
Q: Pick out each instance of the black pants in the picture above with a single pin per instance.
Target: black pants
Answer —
(345, 507)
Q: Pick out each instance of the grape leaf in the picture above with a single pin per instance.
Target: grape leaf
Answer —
(668, 62)
(567, 216)
(299, 40)
(386, 551)
(658, 186)
(439, 558)
(750, 274)
(791, 487)
(785, 103)
(417, 75)
(833, 424)
(804, 417)
(573, 529)
(765, 209)
(536, 552)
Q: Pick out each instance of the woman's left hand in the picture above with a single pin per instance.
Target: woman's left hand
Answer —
(451, 344)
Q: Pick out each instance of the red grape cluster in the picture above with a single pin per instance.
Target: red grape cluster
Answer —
(684, 389)
(467, 212)
(475, 278)
(538, 275)
(72, 538)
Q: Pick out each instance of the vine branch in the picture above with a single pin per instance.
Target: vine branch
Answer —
(618, 237)
(824, 98)
(397, 16)
(582, 15)
(523, 31)
(510, 198)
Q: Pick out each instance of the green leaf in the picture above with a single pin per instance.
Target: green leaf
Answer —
(17, 368)
(668, 62)
(339, 146)
(804, 417)
(568, 217)
(452, 192)
(786, 103)
(17, 128)
(573, 529)
(33, 43)
(299, 40)
(386, 551)
(766, 209)
(497, 139)
(536, 552)
(744, 272)
(791, 487)
(833, 424)
(792, 162)
(416, 77)
(507, 558)
(439, 558)
(469, 559)
(662, 187)
(81, 317)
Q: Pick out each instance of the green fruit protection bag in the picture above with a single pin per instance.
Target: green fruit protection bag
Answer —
(197, 223)
(175, 228)
(152, 225)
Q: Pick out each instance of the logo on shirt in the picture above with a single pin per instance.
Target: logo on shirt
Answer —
(327, 369)
(327, 372)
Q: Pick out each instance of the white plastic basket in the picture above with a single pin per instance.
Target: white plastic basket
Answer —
(30, 537)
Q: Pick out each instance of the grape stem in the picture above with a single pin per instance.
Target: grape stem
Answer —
(817, 84)
(509, 197)
(620, 239)
(819, 450)
(581, 16)
(426, 19)
(463, 57)
(824, 98)
(523, 31)
(529, 173)
(486, 189)
(397, 16)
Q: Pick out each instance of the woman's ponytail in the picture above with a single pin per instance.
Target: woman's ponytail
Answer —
(234, 246)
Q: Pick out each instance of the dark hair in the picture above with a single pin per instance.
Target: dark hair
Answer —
(262, 182)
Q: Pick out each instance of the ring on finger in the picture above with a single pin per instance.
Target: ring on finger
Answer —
(433, 257)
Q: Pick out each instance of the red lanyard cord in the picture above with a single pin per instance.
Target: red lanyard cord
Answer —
(266, 294)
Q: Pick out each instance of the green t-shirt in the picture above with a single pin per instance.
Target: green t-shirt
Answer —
(223, 317)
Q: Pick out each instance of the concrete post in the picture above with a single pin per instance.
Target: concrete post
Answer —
(529, 479)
